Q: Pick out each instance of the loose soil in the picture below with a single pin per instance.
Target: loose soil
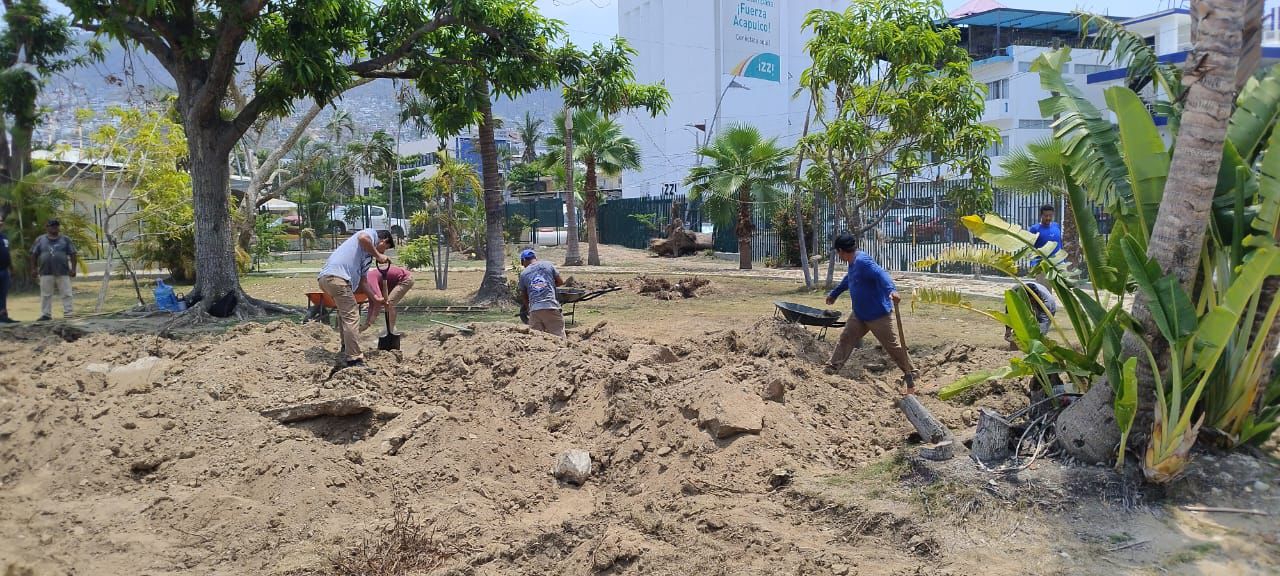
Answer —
(134, 454)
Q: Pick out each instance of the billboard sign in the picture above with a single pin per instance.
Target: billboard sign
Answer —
(749, 39)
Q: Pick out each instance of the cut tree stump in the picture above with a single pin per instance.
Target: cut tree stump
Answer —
(680, 242)
(347, 406)
(944, 450)
(991, 441)
(930, 429)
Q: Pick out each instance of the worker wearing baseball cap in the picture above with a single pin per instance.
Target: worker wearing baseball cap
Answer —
(538, 283)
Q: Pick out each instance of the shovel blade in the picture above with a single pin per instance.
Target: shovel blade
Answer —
(389, 342)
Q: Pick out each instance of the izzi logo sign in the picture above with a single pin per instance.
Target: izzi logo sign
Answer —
(749, 39)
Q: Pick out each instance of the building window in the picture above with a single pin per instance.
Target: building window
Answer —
(999, 148)
(1035, 124)
(998, 90)
(1024, 66)
(1091, 68)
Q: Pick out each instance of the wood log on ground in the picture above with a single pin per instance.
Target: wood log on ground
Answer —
(991, 441)
(930, 429)
(346, 406)
(680, 242)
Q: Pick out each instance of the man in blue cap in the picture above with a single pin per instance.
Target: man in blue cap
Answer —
(538, 283)
(874, 296)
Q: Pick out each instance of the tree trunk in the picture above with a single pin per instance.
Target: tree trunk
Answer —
(744, 228)
(216, 273)
(1270, 287)
(591, 210)
(798, 200)
(1087, 428)
(494, 286)
(1071, 236)
(572, 254)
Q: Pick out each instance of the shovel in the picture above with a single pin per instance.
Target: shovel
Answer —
(388, 341)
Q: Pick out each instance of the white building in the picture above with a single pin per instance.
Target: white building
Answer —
(724, 61)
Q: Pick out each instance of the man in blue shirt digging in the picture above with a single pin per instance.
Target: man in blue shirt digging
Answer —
(874, 296)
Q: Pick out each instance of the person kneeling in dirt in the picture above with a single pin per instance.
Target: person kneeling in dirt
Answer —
(344, 273)
(874, 296)
(1042, 303)
(538, 283)
(390, 284)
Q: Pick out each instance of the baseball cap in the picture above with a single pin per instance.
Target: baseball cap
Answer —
(527, 254)
(53, 222)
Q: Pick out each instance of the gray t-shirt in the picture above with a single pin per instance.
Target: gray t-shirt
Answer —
(539, 282)
(1050, 305)
(53, 255)
(349, 261)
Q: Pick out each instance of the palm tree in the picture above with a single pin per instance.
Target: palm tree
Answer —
(1043, 167)
(743, 169)
(375, 156)
(340, 122)
(602, 148)
(442, 188)
(529, 136)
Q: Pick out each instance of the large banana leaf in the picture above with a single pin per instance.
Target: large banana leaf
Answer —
(1219, 325)
(1020, 243)
(1168, 303)
(1090, 140)
(1012, 370)
(1102, 273)
(1144, 154)
(1256, 111)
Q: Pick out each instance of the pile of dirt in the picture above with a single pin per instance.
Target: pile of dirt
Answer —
(137, 454)
(664, 289)
(590, 285)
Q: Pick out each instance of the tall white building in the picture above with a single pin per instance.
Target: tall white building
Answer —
(724, 61)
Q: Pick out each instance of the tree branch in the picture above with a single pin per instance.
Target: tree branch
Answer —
(231, 32)
(380, 62)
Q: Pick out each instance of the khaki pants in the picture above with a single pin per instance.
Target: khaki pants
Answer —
(348, 314)
(549, 321)
(48, 286)
(882, 328)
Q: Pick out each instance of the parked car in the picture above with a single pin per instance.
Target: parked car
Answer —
(292, 224)
(927, 229)
(895, 223)
(344, 219)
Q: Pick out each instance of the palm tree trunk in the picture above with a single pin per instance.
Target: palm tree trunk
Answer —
(591, 210)
(572, 254)
(744, 228)
(1070, 235)
(494, 286)
(1087, 429)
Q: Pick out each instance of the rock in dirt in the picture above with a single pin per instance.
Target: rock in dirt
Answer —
(572, 466)
(727, 411)
(346, 406)
(138, 376)
(773, 389)
(402, 428)
(650, 355)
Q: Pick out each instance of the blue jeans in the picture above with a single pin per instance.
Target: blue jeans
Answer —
(4, 292)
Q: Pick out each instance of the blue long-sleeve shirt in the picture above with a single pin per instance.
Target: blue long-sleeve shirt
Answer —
(869, 286)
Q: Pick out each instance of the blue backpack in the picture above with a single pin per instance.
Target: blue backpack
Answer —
(165, 298)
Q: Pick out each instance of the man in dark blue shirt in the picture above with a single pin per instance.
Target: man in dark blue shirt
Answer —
(874, 296)
(1047, 231)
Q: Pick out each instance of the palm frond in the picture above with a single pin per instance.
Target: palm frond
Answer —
(967, 254)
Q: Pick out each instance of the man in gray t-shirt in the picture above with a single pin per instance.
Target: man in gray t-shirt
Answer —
(344, 273)
(538, 283)
(53, 258)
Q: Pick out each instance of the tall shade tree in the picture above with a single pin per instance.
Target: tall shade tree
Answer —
(743, 169)
(893, 96)
(604, 81)
(1226, 39)
(34, 44)
(530, 133)
(308, 48)
(1042, 167)
(602, 149)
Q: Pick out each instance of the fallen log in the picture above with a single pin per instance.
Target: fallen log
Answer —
(347, 406)
(680, 242)
(991, 441)
(930, 429)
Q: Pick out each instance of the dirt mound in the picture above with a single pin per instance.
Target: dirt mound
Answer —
(664, 289)
(132, 454)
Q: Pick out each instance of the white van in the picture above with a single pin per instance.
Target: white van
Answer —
(343, 220)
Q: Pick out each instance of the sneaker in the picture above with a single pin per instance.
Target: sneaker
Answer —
(355, 363)
(43, 319)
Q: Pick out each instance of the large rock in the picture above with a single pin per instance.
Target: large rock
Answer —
(572, 466)
(400, 429)
(726, 411)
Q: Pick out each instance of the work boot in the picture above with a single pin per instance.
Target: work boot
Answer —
(357, 363)
(44, 319)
